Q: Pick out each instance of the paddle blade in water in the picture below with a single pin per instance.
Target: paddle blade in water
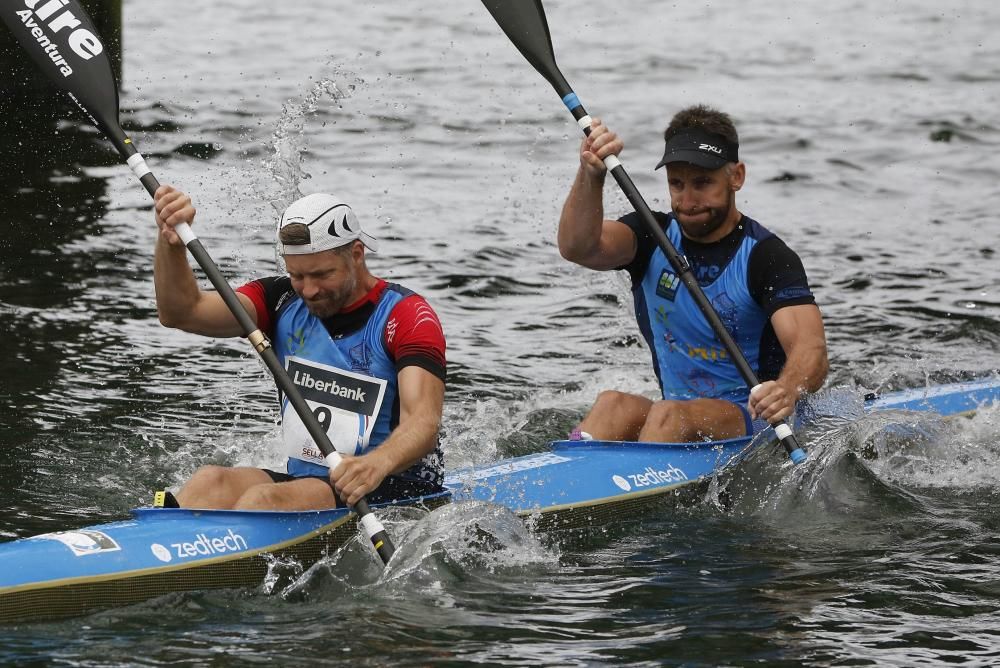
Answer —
(61, 39)
(524, 23)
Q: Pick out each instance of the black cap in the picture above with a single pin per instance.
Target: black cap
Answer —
(699, 147)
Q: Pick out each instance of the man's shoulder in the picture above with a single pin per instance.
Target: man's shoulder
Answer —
(268, 296)
(413, 332)
(402, 294)
(645, 244)
(277, 291)
(269, 290)
(755, 230)
(396, 289)
(273, 283)
(767, 247)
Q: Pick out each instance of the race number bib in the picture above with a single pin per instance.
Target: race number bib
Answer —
(345, 404)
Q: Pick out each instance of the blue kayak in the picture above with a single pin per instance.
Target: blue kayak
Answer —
(589, 474)
(157, 551)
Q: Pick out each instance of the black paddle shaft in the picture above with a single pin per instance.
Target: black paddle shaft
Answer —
(525, 25)
(60, 38)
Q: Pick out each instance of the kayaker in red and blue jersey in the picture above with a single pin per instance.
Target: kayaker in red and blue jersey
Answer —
(368, 357)
(756, 283)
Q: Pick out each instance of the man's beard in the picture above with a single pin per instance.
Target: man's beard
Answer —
(699, 230)
(332, 303)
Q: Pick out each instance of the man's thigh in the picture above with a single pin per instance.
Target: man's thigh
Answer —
(617, 416)
(715, 418)
(219, 486)
(295, 494)
(693, 420)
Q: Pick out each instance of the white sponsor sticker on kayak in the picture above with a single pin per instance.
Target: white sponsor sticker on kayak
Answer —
(525, 464)
(650, 477)
(160, 552)
(201, 546)
(621, 482)
(83, 542)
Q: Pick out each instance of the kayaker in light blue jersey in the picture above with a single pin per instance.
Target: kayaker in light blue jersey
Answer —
(367, 356)
(756, 284)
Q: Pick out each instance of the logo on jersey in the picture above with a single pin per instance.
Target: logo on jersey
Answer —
(793, 292)
(708, 353)
(295, 341)
(667, 286)
(728, 312)
(361, 359)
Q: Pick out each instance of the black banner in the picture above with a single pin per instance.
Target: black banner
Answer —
(335, 388)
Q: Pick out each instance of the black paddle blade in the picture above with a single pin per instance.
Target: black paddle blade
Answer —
(61, 39)
(524, 23)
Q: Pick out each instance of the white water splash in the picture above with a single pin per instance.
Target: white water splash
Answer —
(962, 453)
(465, 539)
(288, 141)
(858, 465)
(437, 553)
(478, 431)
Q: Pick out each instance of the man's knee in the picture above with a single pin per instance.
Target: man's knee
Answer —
(265, 496)
(613, 400)
(665, 415)
(616, 416)
(688, 421)
(301, 494)
(210, 476)
(216, 487)
(671, 421)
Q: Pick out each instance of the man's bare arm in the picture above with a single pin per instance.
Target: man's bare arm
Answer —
(800, 332)
(180, 303)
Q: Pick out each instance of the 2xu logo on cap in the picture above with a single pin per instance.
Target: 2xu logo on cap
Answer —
(57, 19)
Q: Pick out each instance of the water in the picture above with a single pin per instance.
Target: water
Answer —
(871, 140)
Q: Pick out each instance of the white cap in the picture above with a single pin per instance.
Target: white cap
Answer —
(331, 224)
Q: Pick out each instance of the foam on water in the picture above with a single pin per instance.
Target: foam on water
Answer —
(440, 553)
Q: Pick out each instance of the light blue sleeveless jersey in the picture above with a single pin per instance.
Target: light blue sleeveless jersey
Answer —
(300, 334)
(689, 360)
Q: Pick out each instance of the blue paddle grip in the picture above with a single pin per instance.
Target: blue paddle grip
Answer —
(571, 101)
(798, 455)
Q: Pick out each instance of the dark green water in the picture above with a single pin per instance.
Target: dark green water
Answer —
(871, 138)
